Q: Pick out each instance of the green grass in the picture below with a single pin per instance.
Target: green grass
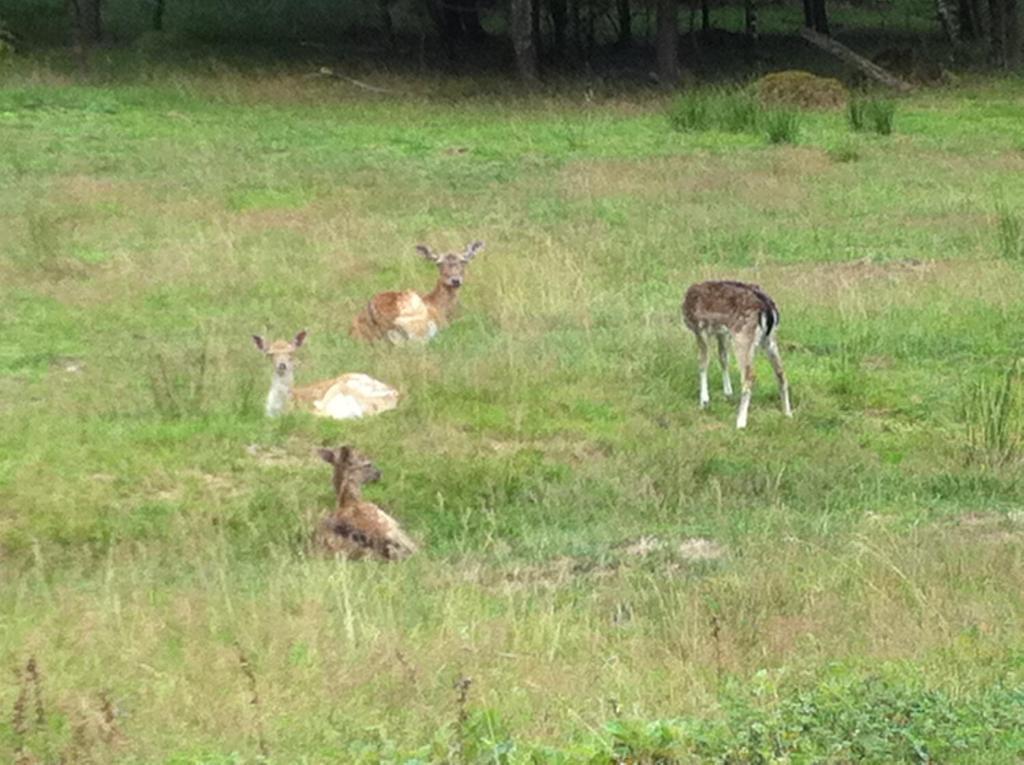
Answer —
(1010, 231)
(549, 452)
(871, 114)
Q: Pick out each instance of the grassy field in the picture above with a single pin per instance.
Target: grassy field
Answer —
(619, 576)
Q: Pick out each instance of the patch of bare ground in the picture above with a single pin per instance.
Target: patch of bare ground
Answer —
(884, 282)
(90, 189)
(293, 219)
(567, 450)
(992, 527)
(961, 166)
(276, 456)
(765, 183)
(562, 571)
(692, 549)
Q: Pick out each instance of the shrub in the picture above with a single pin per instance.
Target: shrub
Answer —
(871, 114)
(802, 90)
(994, 416)
(1010, 231)
(844, 152)
(880, 115)
(729, 110)
(781, 125)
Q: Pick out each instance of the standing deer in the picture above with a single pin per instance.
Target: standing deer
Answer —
(341, 398)
(356, 528)
(408, 315)
(744, 313)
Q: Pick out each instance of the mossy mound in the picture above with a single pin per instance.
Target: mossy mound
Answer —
(801, 89)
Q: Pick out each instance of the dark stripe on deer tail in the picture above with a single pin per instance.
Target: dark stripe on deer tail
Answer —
(769, 311)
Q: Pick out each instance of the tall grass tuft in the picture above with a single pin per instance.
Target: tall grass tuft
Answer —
(781, 125)
(1010, 232)
(179, 385)
(254, 702)
(731, 110)
(844, 152)
(994, 416)
(874, 114)
(856, 114)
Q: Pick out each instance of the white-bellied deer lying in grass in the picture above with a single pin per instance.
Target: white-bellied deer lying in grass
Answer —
(356, 528)
(341, 398)
(408, 315)
(744, 313)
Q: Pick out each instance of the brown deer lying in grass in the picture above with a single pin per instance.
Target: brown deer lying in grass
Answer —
(408, 315)
(744, 313)
(341, 398)
(358, 529)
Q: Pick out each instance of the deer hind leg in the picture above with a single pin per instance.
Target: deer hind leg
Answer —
(771, 349)
(746, 345)
(702, 350)
(723, 359)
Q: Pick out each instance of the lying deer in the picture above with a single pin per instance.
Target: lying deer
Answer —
(408, 315)
(744, 313)
(358, 529)
(341, 398)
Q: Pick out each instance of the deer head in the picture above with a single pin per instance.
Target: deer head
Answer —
(281, 353)
(352, 468)
(451, 266)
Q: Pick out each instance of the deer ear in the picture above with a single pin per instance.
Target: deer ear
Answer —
(260, 343)
(426, 252)
(300, 338)
(344, 454)
(472, 250)
(327, 455)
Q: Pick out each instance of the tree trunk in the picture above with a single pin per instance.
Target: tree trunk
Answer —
(559, 13)
(469, 15)
(590, 37)
(970, 19)
(387, 26)
(840, 51)
(820, 17)
(705, 15)
(521, 29)
(535, 27)
(445, 31)
(949, 17)
(750, 20)
(997, 32)
(577, 27)
(158, 16)
(87, 20)
(668, 42)
(1011, 33)
(625, 24)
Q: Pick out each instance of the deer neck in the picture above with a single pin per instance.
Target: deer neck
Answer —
(349, 493)
(442, 300)
(280, 396)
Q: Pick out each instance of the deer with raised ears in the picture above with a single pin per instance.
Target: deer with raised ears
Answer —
(357, 528)
(408, 315)
(744, 314)
(347, 397)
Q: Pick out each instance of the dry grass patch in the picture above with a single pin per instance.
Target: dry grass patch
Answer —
(801, 89)
(880, 285)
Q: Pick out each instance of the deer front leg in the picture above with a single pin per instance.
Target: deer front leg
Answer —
(745, 347)
(702, 349)
(723, 359)
(771, 349)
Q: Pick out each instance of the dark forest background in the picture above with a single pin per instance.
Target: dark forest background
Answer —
(664, 42)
